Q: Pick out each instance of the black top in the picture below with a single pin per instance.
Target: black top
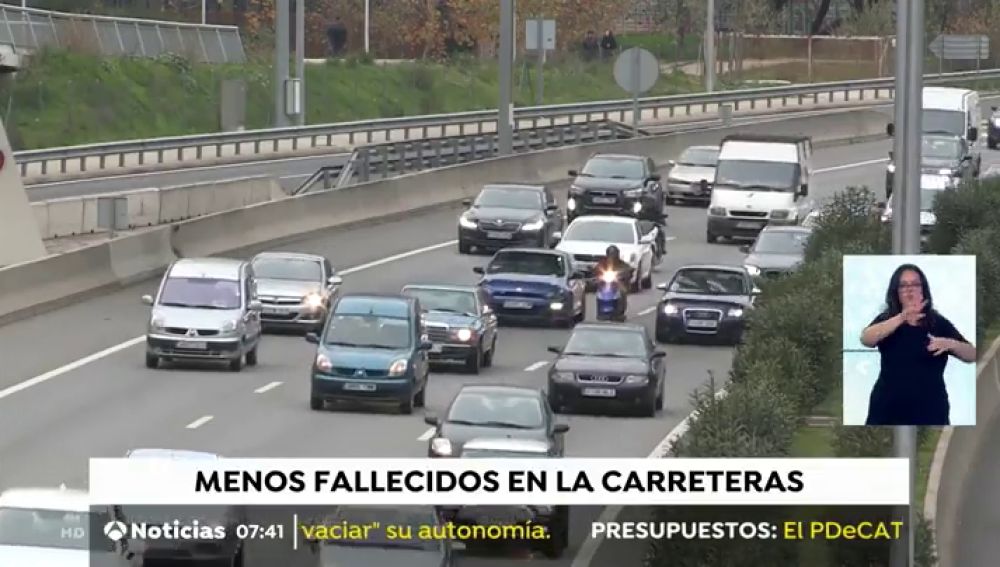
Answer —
(910, 389)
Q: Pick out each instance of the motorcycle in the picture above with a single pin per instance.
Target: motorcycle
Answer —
(610, 298)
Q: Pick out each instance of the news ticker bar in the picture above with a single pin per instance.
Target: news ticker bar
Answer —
(555, 482)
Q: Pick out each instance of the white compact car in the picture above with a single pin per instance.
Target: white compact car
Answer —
(587, 239)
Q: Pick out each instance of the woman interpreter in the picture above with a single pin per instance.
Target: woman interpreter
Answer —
(914, 341)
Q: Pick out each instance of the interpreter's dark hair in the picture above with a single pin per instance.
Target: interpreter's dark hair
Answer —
(893, 305)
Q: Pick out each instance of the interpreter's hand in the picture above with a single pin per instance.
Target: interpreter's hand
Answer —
(938, 345)
(912, 313)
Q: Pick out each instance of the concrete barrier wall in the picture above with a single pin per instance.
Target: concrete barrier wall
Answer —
(28, 287)
(155, 206)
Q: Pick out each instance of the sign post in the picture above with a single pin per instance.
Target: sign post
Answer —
(636, 71)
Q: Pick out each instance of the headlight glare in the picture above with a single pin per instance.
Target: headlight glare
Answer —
(735, 312)
(463, 334)
(441, 447)
(670, 309)
(398, 367)
(466, 222)
(534, 225)
(323, 363)
(753, 270)
(636, 379)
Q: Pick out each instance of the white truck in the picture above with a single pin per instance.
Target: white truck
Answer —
(759, 180)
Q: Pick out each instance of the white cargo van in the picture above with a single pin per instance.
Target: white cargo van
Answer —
(759, 180)
(950, 110)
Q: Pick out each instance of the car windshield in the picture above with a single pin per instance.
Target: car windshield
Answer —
(615, 168)
(203, 293)
(29, 527)
(950, 121)
(527, 263)
(496, 454)
(496, 409)
(756, 175)
(941, 148)
(709, 282)
(446, 300)
(699, 157)
(288, 269)
(781, 242)
(606, 342)
(368, 331)
(409, 528)
(597, 231)
(210, 514)
(509, 198)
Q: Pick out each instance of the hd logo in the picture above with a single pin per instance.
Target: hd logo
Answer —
(117, 531)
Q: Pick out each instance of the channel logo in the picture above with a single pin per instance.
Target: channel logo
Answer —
(117, 530)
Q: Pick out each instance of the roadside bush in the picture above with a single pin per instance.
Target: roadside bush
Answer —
(968, 207)
(984, 243)
(848, 224)
(779, 356)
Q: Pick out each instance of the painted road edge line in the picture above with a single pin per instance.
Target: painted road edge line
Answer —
(591, 545)
(426, 435)
(535, 365)
(268, 387)
(200, 421)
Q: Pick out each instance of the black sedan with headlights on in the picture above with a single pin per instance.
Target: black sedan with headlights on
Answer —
(295, 290)
(705, 301)
(616, 184)
(459, 323)
(484, 410)
(608, 364)
(510, 214)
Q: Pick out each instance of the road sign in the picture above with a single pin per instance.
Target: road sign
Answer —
(961, 47)
(636, 70)
(531, 35)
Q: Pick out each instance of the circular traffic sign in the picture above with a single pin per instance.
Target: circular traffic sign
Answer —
(636, 70)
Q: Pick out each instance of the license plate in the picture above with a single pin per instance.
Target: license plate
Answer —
(192, 345)
(271, 311)
(703, 323)
(517, 304)
(436, 347)
(599, 392)
(359, 387)
(749, 225)
(500, 235)
(605, 200)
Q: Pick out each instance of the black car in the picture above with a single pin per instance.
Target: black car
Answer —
(494, 411)
(993, 129)
(616, 184)
(777, 251)
(509, 214)
(941, 154)
(555, 519)
(459, 323)
(705, 301)
(608, 364)
(395, 541)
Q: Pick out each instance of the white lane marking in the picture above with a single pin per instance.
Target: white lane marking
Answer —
(200, 421)
(184, 169)
(647, 310)
(535, 365)
(267, 387)
(11, 390)
(610, 513)
(426, 435)
(669, 238)
(850, 165)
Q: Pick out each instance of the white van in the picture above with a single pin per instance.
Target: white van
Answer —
(759, 180)
(954, 111)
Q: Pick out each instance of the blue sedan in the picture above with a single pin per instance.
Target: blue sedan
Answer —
(534, 285)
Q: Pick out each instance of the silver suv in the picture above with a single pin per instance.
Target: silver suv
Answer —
(206, 309)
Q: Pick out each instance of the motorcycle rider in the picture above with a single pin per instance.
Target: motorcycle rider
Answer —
(612, 261)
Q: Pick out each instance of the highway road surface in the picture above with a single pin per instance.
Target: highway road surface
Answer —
(87, 393)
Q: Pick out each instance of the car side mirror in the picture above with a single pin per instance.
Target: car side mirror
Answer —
(973, 134)
(671, 163)
(431, 420)
(557, 235)
(561, 428)
(804, 189)
(552, 207)
(256, 305)
(147, 299)
(745, 249)
(312, 338)
(335, 280)
(467, 202)
(966, 158)
(479, 270)
(655, 177)
(890, 129)
(880, 206)
(756, 291)
(426, 345)
(555, 349)
(572, 173)
(662, 286)
(647, 239)
(659, 354)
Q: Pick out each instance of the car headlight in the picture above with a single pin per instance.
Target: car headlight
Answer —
(398, 367)
(323, 363)
(633, 193)
(891, 168)
(313, 300)
(636, 379)
(636, 207)
(466, 222)
(753, 270)
(571, 203)
(946, 171)
(717, 211)
(669, 309)
(230, 326)
(156, 324)
(441, 447)
(780, 214)
(463, 334)
(735, 312)
(563, 376)
(534, 225)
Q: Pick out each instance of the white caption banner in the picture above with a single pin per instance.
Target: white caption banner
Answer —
(624, 482)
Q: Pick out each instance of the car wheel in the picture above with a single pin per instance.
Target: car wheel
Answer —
(474, 361)
(152, 361)
(406, 406)
(464, 247)
(659, 398)
(649, 407)
(489, 355)
(315, 403)
(582, 315)
(236, 364)
(554, 402)
(647, 282)
(418, 400)
(252, 356)
(711, 238)
(635, 284)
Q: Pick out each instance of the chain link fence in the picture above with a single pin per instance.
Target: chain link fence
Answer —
(31, 29)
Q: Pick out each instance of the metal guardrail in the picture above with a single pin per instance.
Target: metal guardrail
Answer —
(478, 122)
(395, 158)
(31, 28)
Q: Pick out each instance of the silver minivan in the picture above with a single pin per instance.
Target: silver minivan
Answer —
(205, 309)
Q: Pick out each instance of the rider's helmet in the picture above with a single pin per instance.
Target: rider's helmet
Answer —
(613, 253)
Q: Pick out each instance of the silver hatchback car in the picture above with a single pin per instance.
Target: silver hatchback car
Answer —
(205, 309)
(295, 290)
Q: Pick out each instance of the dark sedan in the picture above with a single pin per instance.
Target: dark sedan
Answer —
(459, 323)
(534, 285)
(777, 251)
(616, 184)
(705, 301)
(494, 411)
(608, 364)
(509, 214)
